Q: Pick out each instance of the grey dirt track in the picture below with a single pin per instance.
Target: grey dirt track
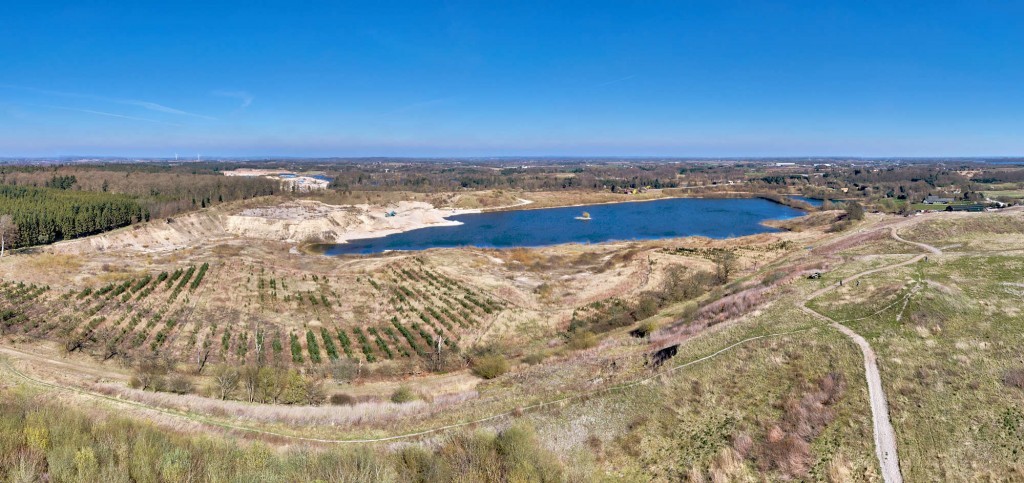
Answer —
(885, 436)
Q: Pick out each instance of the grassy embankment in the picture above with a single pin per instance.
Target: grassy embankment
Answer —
(42, 440)
(948, 347)
(792, 404)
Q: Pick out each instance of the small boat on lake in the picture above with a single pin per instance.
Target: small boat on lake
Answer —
(585, 216)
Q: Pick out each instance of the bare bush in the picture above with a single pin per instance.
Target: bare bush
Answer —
(150, 374)
(179, 384)
(786, 446)
(342, 399)
(785, 452)
(1014, 378)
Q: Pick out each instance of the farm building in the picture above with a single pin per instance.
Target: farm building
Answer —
(970, 207)
(931, 199)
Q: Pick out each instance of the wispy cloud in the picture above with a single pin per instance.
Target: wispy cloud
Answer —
(616, 81)
(111, 114)
(244, 97)
(149, 105)
(152, 106)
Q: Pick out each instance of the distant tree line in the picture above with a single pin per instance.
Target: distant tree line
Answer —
(432, 178)
(163, 191)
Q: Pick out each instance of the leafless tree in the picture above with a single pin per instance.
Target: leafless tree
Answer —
(226, 378)
(725, 265)
(259, 344)
(150, 374)
(202, 355)
(252, 377)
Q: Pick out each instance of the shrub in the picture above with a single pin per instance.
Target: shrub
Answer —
(199, 276)
(535, 358)
(490, 366)
(417, 464)
(1014, 378)
(312, 347)
(365, 344)
(523, 458)
(854, 211)
(332, 351)
(583, 339)
(345, 370)
(342, 399)
(773, 278)
(179, 384)
(806, 412)
(403, 395)
(383, 346)
(839, 226)
(643, 329)
(646, 307)
(346, 343)
(296, 350)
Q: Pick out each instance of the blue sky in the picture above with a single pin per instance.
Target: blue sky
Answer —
(453, 78)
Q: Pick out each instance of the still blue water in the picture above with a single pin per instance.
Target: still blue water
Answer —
(815, 202)
(714, 218)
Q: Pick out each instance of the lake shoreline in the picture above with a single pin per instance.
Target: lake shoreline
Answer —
(513, 230)
(723, 196)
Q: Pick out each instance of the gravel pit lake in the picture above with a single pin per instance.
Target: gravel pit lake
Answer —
(647, 220)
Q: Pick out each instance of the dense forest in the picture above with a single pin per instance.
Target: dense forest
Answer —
(46, 215)
(163, 190)
(50, 204)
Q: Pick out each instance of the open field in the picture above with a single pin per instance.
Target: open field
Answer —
(947, 336)
(1012, 193)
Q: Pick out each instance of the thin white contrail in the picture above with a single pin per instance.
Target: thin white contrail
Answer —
(111, 114)
(152, 106)
(616, 81)
(242, 96)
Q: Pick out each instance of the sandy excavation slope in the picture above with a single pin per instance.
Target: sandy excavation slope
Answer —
(306, 221)
(291, 222)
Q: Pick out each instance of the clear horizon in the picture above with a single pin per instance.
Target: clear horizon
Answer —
(537, 79)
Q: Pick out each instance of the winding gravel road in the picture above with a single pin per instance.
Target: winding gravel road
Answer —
(885, 436)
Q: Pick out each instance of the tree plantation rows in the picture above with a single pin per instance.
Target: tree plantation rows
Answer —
(128, 318)
(420, 322)
(420, 312)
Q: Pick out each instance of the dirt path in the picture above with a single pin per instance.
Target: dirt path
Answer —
(202, 419)
(885, 436)
(62, 366)
(925, 246)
